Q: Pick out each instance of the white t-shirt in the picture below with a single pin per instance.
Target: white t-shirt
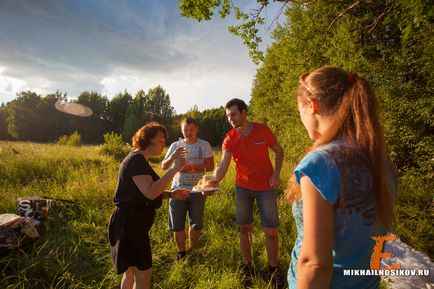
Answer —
(196, 155)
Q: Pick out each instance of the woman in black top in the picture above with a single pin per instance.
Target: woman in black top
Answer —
(139, 192)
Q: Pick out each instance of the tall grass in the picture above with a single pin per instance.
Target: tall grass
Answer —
(73, 250)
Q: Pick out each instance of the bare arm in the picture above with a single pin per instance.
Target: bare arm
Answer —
(207, 166)
(279, 157)
(315, 265)
(151, 189)
(167, 162)
(275, 178)
(222, 168)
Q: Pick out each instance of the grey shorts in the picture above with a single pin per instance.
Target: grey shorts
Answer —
(195, 207)
(267, 205)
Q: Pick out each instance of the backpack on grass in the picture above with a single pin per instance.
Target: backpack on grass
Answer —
(34, 208)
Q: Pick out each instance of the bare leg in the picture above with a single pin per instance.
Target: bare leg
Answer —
(246, 242)
(142, 278)
(193, 236)
(127, 279)
(180, 240)
(272, 246)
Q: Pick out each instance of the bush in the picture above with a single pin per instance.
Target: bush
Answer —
(114, 146)
(73, 140)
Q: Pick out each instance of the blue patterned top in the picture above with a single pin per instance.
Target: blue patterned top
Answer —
(342, 176)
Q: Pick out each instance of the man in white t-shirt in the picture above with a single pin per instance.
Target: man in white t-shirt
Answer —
(200, 159)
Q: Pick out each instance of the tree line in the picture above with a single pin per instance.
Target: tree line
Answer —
(32, 117)
(389, 42)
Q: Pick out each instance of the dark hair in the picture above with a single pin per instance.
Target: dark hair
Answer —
(142, 137)
(188, 120)
(241, 105)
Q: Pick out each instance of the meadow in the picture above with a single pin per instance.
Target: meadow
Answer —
(73, 249)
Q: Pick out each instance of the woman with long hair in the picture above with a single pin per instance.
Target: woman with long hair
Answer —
(346, 182)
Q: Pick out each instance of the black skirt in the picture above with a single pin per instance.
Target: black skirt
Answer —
(129, 238)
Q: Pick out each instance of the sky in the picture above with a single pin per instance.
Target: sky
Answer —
(110, 46)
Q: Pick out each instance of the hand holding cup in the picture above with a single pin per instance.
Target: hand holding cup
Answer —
(180, 159)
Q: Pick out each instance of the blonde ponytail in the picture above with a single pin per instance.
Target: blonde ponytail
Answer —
(369, 137)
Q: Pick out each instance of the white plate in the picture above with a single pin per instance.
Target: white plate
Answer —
(199, 190)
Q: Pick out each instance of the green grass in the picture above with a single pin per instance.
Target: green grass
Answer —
(73, 250)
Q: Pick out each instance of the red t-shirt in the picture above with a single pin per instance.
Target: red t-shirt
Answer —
(250, 153)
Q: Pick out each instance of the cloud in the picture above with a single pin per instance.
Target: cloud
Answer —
(109, 46)
(9, 84)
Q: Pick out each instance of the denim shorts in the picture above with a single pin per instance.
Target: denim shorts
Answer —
(267, 205)
(195, 206)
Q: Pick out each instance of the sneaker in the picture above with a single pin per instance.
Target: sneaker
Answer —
(181, 255)
(275, 278)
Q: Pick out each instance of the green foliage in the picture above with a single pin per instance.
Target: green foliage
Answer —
(25, 116)
(72, 251)
(72, 140)
(118, 109)
(158, 105)
(247, 30)
(3, 123)
(203, 10)
(33, 117)
(153, 106)
(114, 146)
(389, 43)
(136, 116)
(414, 214)
(213, 124)
(93, 127)
(394, 52)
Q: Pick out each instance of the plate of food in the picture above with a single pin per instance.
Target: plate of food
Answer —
(206, 184)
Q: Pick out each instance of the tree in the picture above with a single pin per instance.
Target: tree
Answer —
(256, 17)
(137, 115)
(55, 123)
(118, 110)
(193, 113)
(3, 123)
(24, 117)
(158, 105)
(250, 21)
(33, 117)
(160, 109)
(213, 124)
(93, 128)
(387, 42)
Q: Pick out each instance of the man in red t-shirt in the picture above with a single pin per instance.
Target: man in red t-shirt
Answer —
(247, 143)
